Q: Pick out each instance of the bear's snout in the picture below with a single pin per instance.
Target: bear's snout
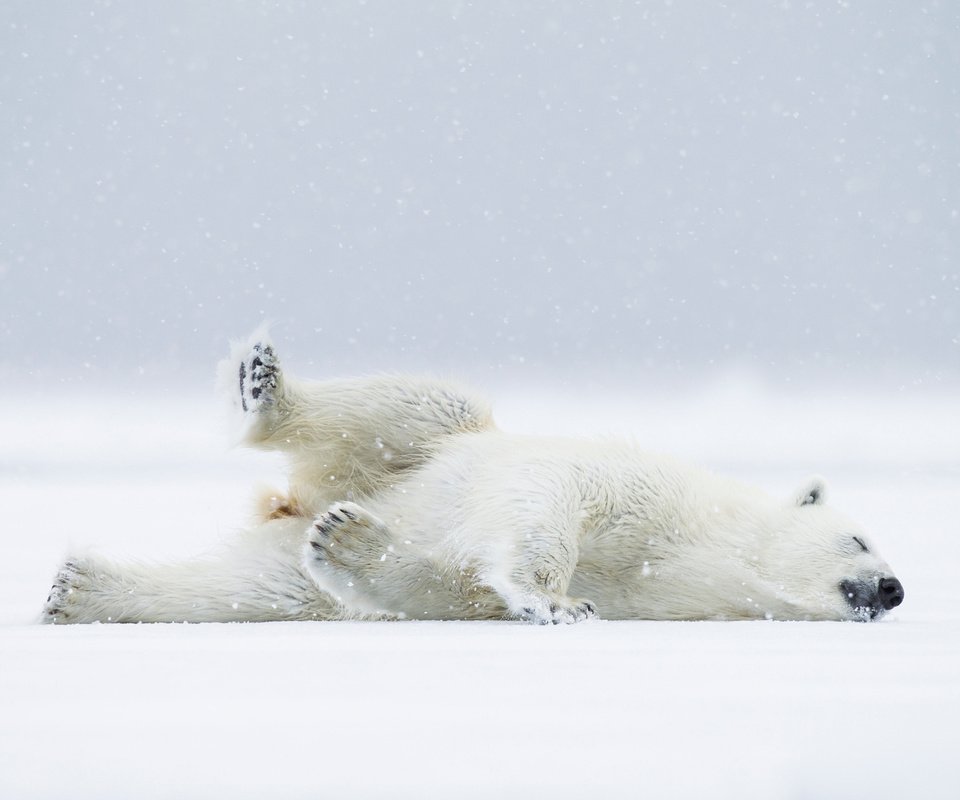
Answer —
(891, 593)
(870, 599)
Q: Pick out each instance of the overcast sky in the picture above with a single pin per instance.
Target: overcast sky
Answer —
(495, 189)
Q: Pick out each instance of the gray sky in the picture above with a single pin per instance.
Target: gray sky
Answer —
(497, 189)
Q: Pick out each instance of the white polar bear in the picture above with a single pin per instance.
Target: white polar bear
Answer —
(406, 502)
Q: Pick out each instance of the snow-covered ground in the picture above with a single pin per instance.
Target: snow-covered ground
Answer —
(420, 709)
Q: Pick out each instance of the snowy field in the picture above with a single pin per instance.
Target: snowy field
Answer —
(420, 709)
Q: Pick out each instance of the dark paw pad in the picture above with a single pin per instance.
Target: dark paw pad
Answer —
(55, 609)
(258, 373)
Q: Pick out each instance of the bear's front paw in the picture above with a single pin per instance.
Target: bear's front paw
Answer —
(348, 552)
(565, 611)
(259, 378)
(348, 538)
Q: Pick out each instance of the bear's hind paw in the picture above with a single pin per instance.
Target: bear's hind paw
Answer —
(259, 373)
(57, 607)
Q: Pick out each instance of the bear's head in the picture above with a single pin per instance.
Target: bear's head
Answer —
(825, 562)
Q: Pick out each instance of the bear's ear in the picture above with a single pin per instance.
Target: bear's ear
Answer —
(812, 493)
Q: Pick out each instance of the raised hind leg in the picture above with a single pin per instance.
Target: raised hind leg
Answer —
(345, 439)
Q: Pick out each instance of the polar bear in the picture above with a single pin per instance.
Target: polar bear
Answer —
(406, 502)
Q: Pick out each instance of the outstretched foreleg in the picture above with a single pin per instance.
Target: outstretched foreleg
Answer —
(531, 566)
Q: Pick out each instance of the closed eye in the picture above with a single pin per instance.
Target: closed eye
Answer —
(859, 541)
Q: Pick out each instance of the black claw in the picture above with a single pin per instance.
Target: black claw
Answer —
(243, 377)
(334, 517)
(348, 514)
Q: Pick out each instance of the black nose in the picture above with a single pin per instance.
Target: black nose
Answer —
(891, 592)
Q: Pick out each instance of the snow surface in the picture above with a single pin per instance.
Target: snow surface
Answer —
(422, 709)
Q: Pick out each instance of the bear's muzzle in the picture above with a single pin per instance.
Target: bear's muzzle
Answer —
(870, 601)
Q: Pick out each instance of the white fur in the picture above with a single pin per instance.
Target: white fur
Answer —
(405, 501)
